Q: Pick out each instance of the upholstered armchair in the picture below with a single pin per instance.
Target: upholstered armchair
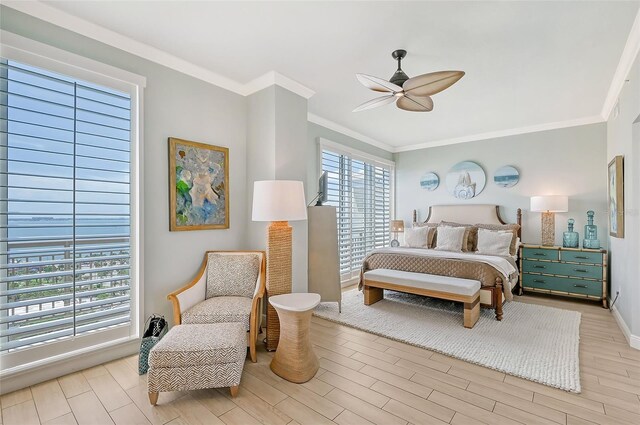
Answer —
(229, 287)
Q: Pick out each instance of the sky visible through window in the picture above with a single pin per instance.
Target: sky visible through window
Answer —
(65, 134)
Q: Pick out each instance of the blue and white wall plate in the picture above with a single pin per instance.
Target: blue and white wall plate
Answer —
(430, 181)
(506, 176)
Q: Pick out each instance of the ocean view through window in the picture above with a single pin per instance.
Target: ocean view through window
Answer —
(65, 210)
(361, 189)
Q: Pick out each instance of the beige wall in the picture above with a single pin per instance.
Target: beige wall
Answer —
(570, 161)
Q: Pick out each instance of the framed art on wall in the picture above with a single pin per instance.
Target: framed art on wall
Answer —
(616, 197)
(198, 186)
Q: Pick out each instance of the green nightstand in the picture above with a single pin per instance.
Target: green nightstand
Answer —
(571, 272)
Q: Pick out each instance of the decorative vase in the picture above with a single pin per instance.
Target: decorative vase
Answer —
(591, 240)
(570, 239)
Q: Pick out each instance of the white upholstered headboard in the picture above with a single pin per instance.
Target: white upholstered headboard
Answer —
(466, 214)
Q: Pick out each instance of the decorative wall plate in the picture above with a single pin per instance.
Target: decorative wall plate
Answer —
(430, 181)
(465, 180)
(506, 176)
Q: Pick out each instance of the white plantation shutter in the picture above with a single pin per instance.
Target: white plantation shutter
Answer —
(65, 208)
(361, 188)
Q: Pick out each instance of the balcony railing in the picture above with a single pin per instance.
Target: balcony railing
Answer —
(53, 288)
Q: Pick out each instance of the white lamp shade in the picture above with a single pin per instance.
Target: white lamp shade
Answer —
(278, 200)
(551, 203)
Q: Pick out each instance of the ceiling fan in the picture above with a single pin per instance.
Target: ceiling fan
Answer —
(410, 94)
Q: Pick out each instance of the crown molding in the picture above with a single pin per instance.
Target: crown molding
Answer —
(445, 142)
(292, 85)
(348, 132)
(83, 27)
(19, 48)
(73, 23)
(275, 78)
(502, 133)
(78, 25)
(629, 54)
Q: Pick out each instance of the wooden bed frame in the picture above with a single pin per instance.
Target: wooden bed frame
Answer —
(491, 297)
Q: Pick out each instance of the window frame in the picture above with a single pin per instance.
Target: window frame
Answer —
(33, 53)
(359, 155)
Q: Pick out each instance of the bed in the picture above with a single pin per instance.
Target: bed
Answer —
(497, 278)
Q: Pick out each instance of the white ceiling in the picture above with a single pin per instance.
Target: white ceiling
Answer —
(527, 64)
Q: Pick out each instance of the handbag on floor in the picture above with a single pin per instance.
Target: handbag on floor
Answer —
(154, 329)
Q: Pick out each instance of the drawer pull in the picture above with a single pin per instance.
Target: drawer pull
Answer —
(540, 267)
(540, 254)
(580, 286)
(582, 257)
(538, 280)
(580, 270)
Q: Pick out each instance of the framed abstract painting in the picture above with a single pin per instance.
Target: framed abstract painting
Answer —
(616, 197)
(198, 186)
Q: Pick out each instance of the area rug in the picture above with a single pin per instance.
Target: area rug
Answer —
(533, 342)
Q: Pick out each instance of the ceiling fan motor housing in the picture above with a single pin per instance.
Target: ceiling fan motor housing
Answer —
(399, 77)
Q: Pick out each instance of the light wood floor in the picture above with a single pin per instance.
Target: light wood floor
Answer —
(363, 379)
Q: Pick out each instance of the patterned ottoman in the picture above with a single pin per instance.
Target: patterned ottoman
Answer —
(192, 357)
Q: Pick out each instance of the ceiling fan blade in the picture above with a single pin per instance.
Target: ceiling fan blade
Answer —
(374, 103)
(432, 83)
(415, 104)
(378, 84)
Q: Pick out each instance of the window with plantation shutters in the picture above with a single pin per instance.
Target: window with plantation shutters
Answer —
(361, 189)
(65, 210)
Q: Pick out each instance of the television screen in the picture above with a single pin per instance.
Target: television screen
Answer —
(322, 188)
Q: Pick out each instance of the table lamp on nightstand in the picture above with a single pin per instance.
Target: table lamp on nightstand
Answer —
(548, 205)
(396, 226)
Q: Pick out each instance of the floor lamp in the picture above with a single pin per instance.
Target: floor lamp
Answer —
(278, 201)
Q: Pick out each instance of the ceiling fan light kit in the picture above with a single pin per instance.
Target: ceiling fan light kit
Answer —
(410, 94)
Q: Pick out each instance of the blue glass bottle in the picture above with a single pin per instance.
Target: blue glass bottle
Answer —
(570, 239)
(591, 240)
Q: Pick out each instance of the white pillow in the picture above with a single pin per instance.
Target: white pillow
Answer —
(416, 237)
(450, 238)
(491, 242)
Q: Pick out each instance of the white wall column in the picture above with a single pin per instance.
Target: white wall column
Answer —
(277, 150)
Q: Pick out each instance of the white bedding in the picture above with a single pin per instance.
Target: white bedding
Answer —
(505, 266)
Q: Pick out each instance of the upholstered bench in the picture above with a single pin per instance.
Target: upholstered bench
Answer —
(466, 291)
(197, 356)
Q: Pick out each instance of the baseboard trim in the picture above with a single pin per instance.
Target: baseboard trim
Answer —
(349, 282)
(72, 363)
(633, 340)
